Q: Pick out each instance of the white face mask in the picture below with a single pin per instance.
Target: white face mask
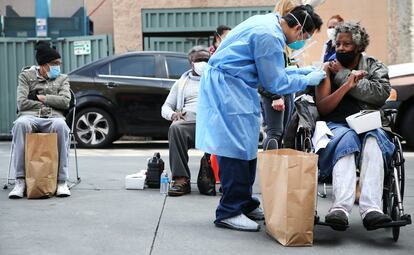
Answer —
(199, 67)
(331, 33)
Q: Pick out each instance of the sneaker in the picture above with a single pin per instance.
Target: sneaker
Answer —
(240, 223)
(337, 220)
(373, 220)
(62, 189)
(179, 189)
(18, 190)
(256, 214)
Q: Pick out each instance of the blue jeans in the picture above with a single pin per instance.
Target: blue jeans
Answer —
(275, 122)
(345, 142)
(237, 178)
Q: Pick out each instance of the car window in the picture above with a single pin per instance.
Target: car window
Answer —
(177, 66)
(142, 66)
(104, 69)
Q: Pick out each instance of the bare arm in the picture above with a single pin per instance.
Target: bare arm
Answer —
(326, 101)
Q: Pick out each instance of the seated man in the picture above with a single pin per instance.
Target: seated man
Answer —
(180, 108)
(354, 82)
(42, 96)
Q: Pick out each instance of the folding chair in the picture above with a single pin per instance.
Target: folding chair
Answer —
(72, 113)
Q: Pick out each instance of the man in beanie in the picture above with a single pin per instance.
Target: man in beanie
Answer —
(42, 96)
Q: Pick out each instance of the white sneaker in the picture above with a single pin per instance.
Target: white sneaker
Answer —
(62, 189)
(239, 222)
(18, 190)
(256, 214)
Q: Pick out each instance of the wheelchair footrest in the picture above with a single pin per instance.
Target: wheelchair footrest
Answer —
(405, 220)
(322, 223)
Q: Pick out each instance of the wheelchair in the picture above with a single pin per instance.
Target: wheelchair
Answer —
(394, 178)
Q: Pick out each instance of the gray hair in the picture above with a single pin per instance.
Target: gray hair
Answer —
(360, 36)
(195, 49)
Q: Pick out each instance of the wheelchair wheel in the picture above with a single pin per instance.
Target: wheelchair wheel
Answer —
(395, 216)
(299, 139)
(399, 164)
(303, 140)
(390, 197)
(390, 204)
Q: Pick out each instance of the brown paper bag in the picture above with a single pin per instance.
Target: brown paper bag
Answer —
(288, 182)
(41, 159)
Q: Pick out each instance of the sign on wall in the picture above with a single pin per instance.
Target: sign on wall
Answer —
(82, 47)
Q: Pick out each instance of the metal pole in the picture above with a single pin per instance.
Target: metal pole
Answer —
(42, 14)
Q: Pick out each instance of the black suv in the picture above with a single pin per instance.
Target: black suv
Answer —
(123, 94)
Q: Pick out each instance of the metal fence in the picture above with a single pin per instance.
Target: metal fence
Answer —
(16, 53)
(181, 29)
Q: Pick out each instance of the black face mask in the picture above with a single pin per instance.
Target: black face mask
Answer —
(346, 58)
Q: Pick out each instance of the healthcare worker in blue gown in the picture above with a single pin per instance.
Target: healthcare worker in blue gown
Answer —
(228, 112)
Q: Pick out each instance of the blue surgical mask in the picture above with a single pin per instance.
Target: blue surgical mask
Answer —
(54, 72)
(299, 44)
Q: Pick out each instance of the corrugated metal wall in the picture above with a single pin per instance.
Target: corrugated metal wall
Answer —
(101, 46)
(173, 29)
(179, 44)
(16, 53)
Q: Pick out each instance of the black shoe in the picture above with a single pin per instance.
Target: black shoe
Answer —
(179, 189)
(337, 220)
(373, 220)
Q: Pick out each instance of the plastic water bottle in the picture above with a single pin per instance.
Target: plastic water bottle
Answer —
(164, 183)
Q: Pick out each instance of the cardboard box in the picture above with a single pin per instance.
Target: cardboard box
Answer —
(364, 121)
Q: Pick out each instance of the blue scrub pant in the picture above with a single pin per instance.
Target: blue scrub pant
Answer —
(236, 177)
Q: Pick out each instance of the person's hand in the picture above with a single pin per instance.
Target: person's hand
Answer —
(178, 116)
(359, 74)
(352, 80)
(278, 105)
(306, 70)
(41, 98)
(335, 66)
(355, 76)
(315, 78)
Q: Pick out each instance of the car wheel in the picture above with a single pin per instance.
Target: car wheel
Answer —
(94, 128)
(407, 125)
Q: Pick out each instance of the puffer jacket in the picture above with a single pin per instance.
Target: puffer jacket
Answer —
(57, 92)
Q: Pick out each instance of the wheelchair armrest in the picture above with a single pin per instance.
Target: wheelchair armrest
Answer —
(388, 112)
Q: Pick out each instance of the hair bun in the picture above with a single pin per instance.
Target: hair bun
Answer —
(308, 8)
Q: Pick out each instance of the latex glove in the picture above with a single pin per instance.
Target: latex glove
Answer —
(307, 69)
(291, 70)
(314, 78)
(303, 70)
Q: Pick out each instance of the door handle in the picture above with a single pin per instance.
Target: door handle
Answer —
(111, 84)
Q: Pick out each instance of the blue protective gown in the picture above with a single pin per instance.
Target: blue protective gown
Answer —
(228, 111)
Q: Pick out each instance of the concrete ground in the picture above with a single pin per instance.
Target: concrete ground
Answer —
(101, 217)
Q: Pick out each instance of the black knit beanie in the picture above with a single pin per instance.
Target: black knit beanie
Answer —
(45, 53)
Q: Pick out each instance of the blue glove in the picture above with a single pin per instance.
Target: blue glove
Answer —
(291, 70)
(306, 70)
(314, 78)
(303, 70)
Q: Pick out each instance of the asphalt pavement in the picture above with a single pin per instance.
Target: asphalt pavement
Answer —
(102, 217)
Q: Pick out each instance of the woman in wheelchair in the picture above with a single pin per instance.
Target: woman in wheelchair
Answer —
(354, 82)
